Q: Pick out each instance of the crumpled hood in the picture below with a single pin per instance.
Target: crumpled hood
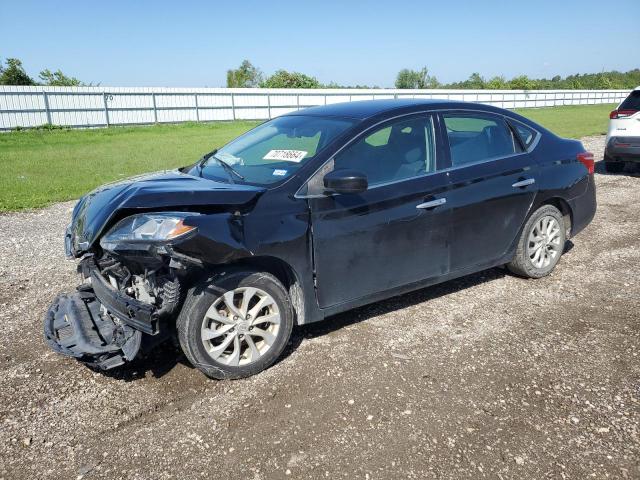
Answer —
(161, 190)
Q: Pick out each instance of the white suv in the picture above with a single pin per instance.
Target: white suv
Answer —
(623, 137)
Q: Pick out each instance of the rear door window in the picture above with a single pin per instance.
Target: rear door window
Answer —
(477, 137)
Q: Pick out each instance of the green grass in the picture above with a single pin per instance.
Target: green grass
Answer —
(572, 121)
(40, 167)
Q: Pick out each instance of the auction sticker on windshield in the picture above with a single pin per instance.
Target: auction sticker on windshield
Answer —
(286, 155)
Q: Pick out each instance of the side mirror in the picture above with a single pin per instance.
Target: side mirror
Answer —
(345, 181)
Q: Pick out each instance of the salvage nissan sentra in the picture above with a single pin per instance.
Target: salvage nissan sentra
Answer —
(310, 214)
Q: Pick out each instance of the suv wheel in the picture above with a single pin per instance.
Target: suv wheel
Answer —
(236, 324)
(541, 243)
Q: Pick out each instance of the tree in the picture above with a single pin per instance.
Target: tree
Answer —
(14, 74)
(58, 79)
(337, 85)
(245, 76)
(497, 83)
(406, 79)
(284, 79)
(475, 81)
(522, 82)
(416, 79)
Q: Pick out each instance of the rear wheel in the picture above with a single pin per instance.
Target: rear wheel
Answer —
(235, 325)
(541, 243)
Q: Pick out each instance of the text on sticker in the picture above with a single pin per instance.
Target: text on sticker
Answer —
(286, 155)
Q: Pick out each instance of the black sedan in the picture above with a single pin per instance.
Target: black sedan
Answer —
(311, 214)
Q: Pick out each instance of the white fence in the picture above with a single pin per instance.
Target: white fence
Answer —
(101, 106)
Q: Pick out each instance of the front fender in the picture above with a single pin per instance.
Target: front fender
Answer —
(220, 239)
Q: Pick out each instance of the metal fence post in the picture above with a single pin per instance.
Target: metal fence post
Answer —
(155, 110)
(233, 106)
(195, 96)
(325, 98)
(106, 109)
(298, 101)
(269, 106)
(46, 107)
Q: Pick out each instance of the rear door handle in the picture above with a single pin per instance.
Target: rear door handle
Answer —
(524, 183)
(432, 203)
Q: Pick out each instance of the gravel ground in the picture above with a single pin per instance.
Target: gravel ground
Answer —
(486, 376)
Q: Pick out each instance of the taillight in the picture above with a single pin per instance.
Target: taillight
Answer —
(622, 113)
(586, 158)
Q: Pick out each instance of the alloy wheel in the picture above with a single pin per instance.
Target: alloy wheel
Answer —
(543, 246)
(240, 326)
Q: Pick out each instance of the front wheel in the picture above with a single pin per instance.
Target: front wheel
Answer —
(541, 243)
(235, 325)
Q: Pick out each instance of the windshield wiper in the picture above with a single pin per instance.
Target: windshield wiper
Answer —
(227, 168)
(204, 159)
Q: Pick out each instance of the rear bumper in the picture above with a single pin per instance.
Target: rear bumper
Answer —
(623, 149)
(583, 208)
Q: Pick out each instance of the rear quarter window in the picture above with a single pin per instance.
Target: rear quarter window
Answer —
(526, 134)
(632, 102)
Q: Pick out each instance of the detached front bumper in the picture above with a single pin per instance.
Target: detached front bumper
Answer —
(623, 149)
(77, 326)
(97, 324)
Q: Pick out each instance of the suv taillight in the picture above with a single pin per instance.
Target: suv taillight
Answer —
(621, 113)
(586, 158)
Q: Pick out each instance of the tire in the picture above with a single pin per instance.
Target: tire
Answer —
(614, 167)
(206, 323)
(527, 262)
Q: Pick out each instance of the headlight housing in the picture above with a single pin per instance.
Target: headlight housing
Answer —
(146, 228)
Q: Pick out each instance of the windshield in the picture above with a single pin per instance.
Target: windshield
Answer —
(275, 150)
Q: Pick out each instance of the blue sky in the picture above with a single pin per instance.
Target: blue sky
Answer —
(193, 43)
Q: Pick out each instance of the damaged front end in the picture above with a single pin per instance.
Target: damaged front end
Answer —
(131, 290)
(141, 243)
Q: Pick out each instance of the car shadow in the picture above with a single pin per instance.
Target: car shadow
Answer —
(157, 362)
(568, 246)
(162, 359)
(394, 304)
(400, 302)
(631, 169)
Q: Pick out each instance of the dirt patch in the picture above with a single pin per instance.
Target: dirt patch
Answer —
(489, 375)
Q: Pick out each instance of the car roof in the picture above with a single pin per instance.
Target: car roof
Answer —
(363, 109)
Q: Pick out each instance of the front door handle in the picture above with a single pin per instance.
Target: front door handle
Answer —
(524, 183)
(432, 203)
